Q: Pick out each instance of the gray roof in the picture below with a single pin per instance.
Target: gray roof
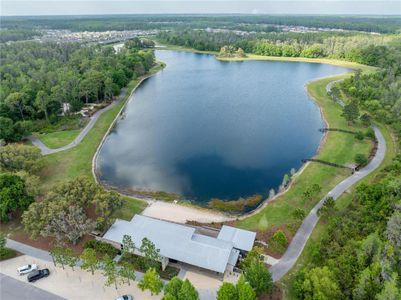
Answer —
(242, 239)
(175, 241)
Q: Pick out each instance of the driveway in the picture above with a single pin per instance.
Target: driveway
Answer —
(68, 284)
(11, 288)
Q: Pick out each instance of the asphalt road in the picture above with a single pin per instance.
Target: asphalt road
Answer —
(12, 289)
(298, 243)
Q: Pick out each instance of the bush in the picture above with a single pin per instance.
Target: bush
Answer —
(370, 133)
(359, 135)
(361, 160)
(279, 240)
(236, 206)
(101, 248)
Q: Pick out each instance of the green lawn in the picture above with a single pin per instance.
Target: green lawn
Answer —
(287, 282)
(338, 148)
(129, 208)
(58, 139)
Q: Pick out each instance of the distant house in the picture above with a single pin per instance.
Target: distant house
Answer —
(181, 243)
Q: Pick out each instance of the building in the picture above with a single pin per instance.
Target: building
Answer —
(181, 243)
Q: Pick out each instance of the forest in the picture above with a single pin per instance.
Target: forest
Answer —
(359, 255)
(37, 78)
(243, 22)
(360, 48)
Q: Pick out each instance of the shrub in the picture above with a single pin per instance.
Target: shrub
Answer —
(360, 159)
(370, 133)
(279, 240)
(359, 135)
(101, 248)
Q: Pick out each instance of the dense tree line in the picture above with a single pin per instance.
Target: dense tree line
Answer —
(37, 78)
(361, 48)
(18, 34)
(244, 22)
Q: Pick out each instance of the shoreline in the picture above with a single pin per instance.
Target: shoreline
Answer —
(266, 201)
(160, 66)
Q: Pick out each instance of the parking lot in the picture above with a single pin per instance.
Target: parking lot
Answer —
(67, 284)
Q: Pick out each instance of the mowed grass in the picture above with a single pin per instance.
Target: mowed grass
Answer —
(58, 139)
(338, 148)
(342, 203)
(67, 165)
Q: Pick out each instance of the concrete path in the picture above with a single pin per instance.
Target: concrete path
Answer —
(11, 288)
(297, 244)
(29, 250)
(46, 151)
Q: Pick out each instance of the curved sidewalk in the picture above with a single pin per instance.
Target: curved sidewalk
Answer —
(298, 243)
(46, 151)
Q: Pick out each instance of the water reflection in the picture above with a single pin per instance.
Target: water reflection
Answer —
(204, 128)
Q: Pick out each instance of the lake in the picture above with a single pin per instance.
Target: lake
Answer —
(204, 128)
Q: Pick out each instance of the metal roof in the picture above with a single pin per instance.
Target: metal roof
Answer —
(242, 239)
(175, 241)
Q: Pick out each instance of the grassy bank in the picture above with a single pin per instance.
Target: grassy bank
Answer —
(77, 161)
(58, 139)
(339, 148)
(342, 203)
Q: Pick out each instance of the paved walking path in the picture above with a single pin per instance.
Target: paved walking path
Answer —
(46, 151)
(28, 250)
(297, 244)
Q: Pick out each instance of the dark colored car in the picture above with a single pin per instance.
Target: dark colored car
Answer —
(38, 274)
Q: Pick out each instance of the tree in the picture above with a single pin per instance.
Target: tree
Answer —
(41, 102)
(328, 208)
(227, 291)
(70, 258)
(360, 159)
(244, 290)
(393, 230)
(68, 224)
(187, 291)
(279, 240)
(89, 260)
(110, 271)
(299, 214)
(151, 254)
(3, 242)
(256, 254)
(18, 157)
(259, 277)
(13, 195)
(172, 288)
(17, 102)
(57, 255)
(7, 132)
(351, 111)
(128, 246)
(126, 271)
(320, 283)
(151, 281)
(390, 290)
(369, 282)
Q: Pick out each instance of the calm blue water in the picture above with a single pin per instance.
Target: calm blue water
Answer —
(209, 129)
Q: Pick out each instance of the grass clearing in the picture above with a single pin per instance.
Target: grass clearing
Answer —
(58, 139)
(338, 148)
(129, 208)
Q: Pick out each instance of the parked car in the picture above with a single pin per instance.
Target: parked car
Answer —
(125, 297)
(38, 274)
(27, 269)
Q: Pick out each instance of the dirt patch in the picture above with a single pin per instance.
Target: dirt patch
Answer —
(275, 294)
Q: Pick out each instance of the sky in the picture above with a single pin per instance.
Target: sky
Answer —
(100, 7)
